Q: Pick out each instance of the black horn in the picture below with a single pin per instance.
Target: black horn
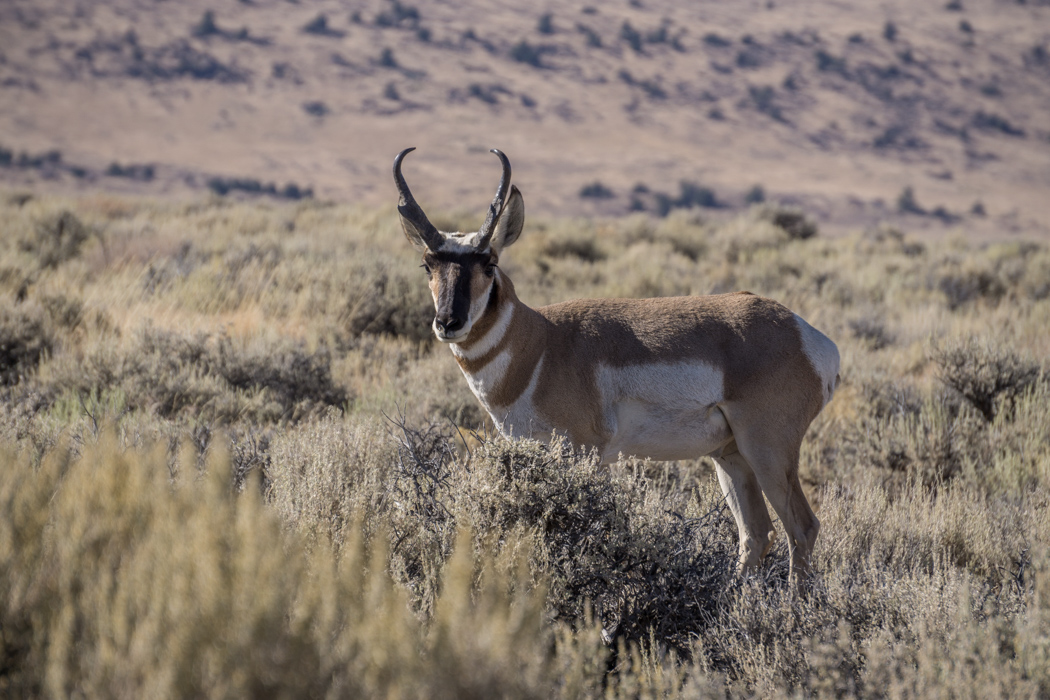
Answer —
(413, 220)
(487, 229)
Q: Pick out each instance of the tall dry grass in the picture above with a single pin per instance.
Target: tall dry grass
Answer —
(234, 464)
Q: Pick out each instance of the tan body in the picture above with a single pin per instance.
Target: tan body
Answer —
(733, 376)
(726, 376)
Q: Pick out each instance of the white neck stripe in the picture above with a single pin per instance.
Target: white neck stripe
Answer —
(492, 338)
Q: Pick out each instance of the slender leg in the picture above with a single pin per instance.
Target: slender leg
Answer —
(749, 508)
(776, 469)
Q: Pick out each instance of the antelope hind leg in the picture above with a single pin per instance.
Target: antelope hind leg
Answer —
(776, 468)
(745, 500)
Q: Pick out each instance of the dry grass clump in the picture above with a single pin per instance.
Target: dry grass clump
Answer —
(119, 583)
(326, 475)
(251, 523)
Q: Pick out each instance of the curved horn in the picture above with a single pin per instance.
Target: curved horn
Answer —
(412, 215)
(496, 208)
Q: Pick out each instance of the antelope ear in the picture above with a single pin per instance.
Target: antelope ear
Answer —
(511, 220)
(413, 232)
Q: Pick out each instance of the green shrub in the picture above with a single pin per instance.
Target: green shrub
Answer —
(524, 52)
(596, 190)
(791, 220)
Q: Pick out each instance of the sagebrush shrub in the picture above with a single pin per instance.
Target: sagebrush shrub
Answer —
(25, 338)
(793, 221)
(989, 376)
(966, 286)
(410, 560)
(207, 377)
(56, 239)
(379, 300)
(648, 561)
(872, 330)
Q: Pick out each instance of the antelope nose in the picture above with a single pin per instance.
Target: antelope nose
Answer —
(448, 325)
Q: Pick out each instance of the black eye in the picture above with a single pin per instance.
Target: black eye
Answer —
(490, 269)
(427, 268)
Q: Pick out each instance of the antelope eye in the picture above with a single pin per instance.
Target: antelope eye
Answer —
(426, 268)
(490, 269)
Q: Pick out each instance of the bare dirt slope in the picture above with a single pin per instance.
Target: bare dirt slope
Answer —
(653, 104)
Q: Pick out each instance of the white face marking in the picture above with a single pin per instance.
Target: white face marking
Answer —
(822, 354)
(460, 243)
(663, 411)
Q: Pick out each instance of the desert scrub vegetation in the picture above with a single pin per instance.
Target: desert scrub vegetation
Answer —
(233, 463)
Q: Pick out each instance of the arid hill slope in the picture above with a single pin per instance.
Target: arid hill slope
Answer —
(602, 107)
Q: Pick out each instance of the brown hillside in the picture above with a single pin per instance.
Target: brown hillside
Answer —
(649, 104)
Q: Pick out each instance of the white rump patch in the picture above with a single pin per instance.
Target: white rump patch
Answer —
(663, 411)
(822, 354)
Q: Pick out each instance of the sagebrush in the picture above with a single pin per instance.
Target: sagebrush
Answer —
(235, 464)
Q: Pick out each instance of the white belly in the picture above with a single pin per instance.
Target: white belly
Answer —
(663, 412)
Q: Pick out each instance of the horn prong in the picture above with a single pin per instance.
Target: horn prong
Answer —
(411, 213)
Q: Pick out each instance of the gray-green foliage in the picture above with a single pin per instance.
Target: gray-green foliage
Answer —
(407, 558)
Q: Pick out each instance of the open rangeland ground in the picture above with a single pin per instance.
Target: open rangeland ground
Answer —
(235, 464)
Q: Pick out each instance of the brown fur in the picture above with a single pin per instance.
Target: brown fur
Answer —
(770, 392)
(755, 340)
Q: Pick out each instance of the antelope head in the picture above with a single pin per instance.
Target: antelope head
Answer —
(461, 266)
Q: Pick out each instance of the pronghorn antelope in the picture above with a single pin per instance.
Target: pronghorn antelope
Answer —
(732, 376)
